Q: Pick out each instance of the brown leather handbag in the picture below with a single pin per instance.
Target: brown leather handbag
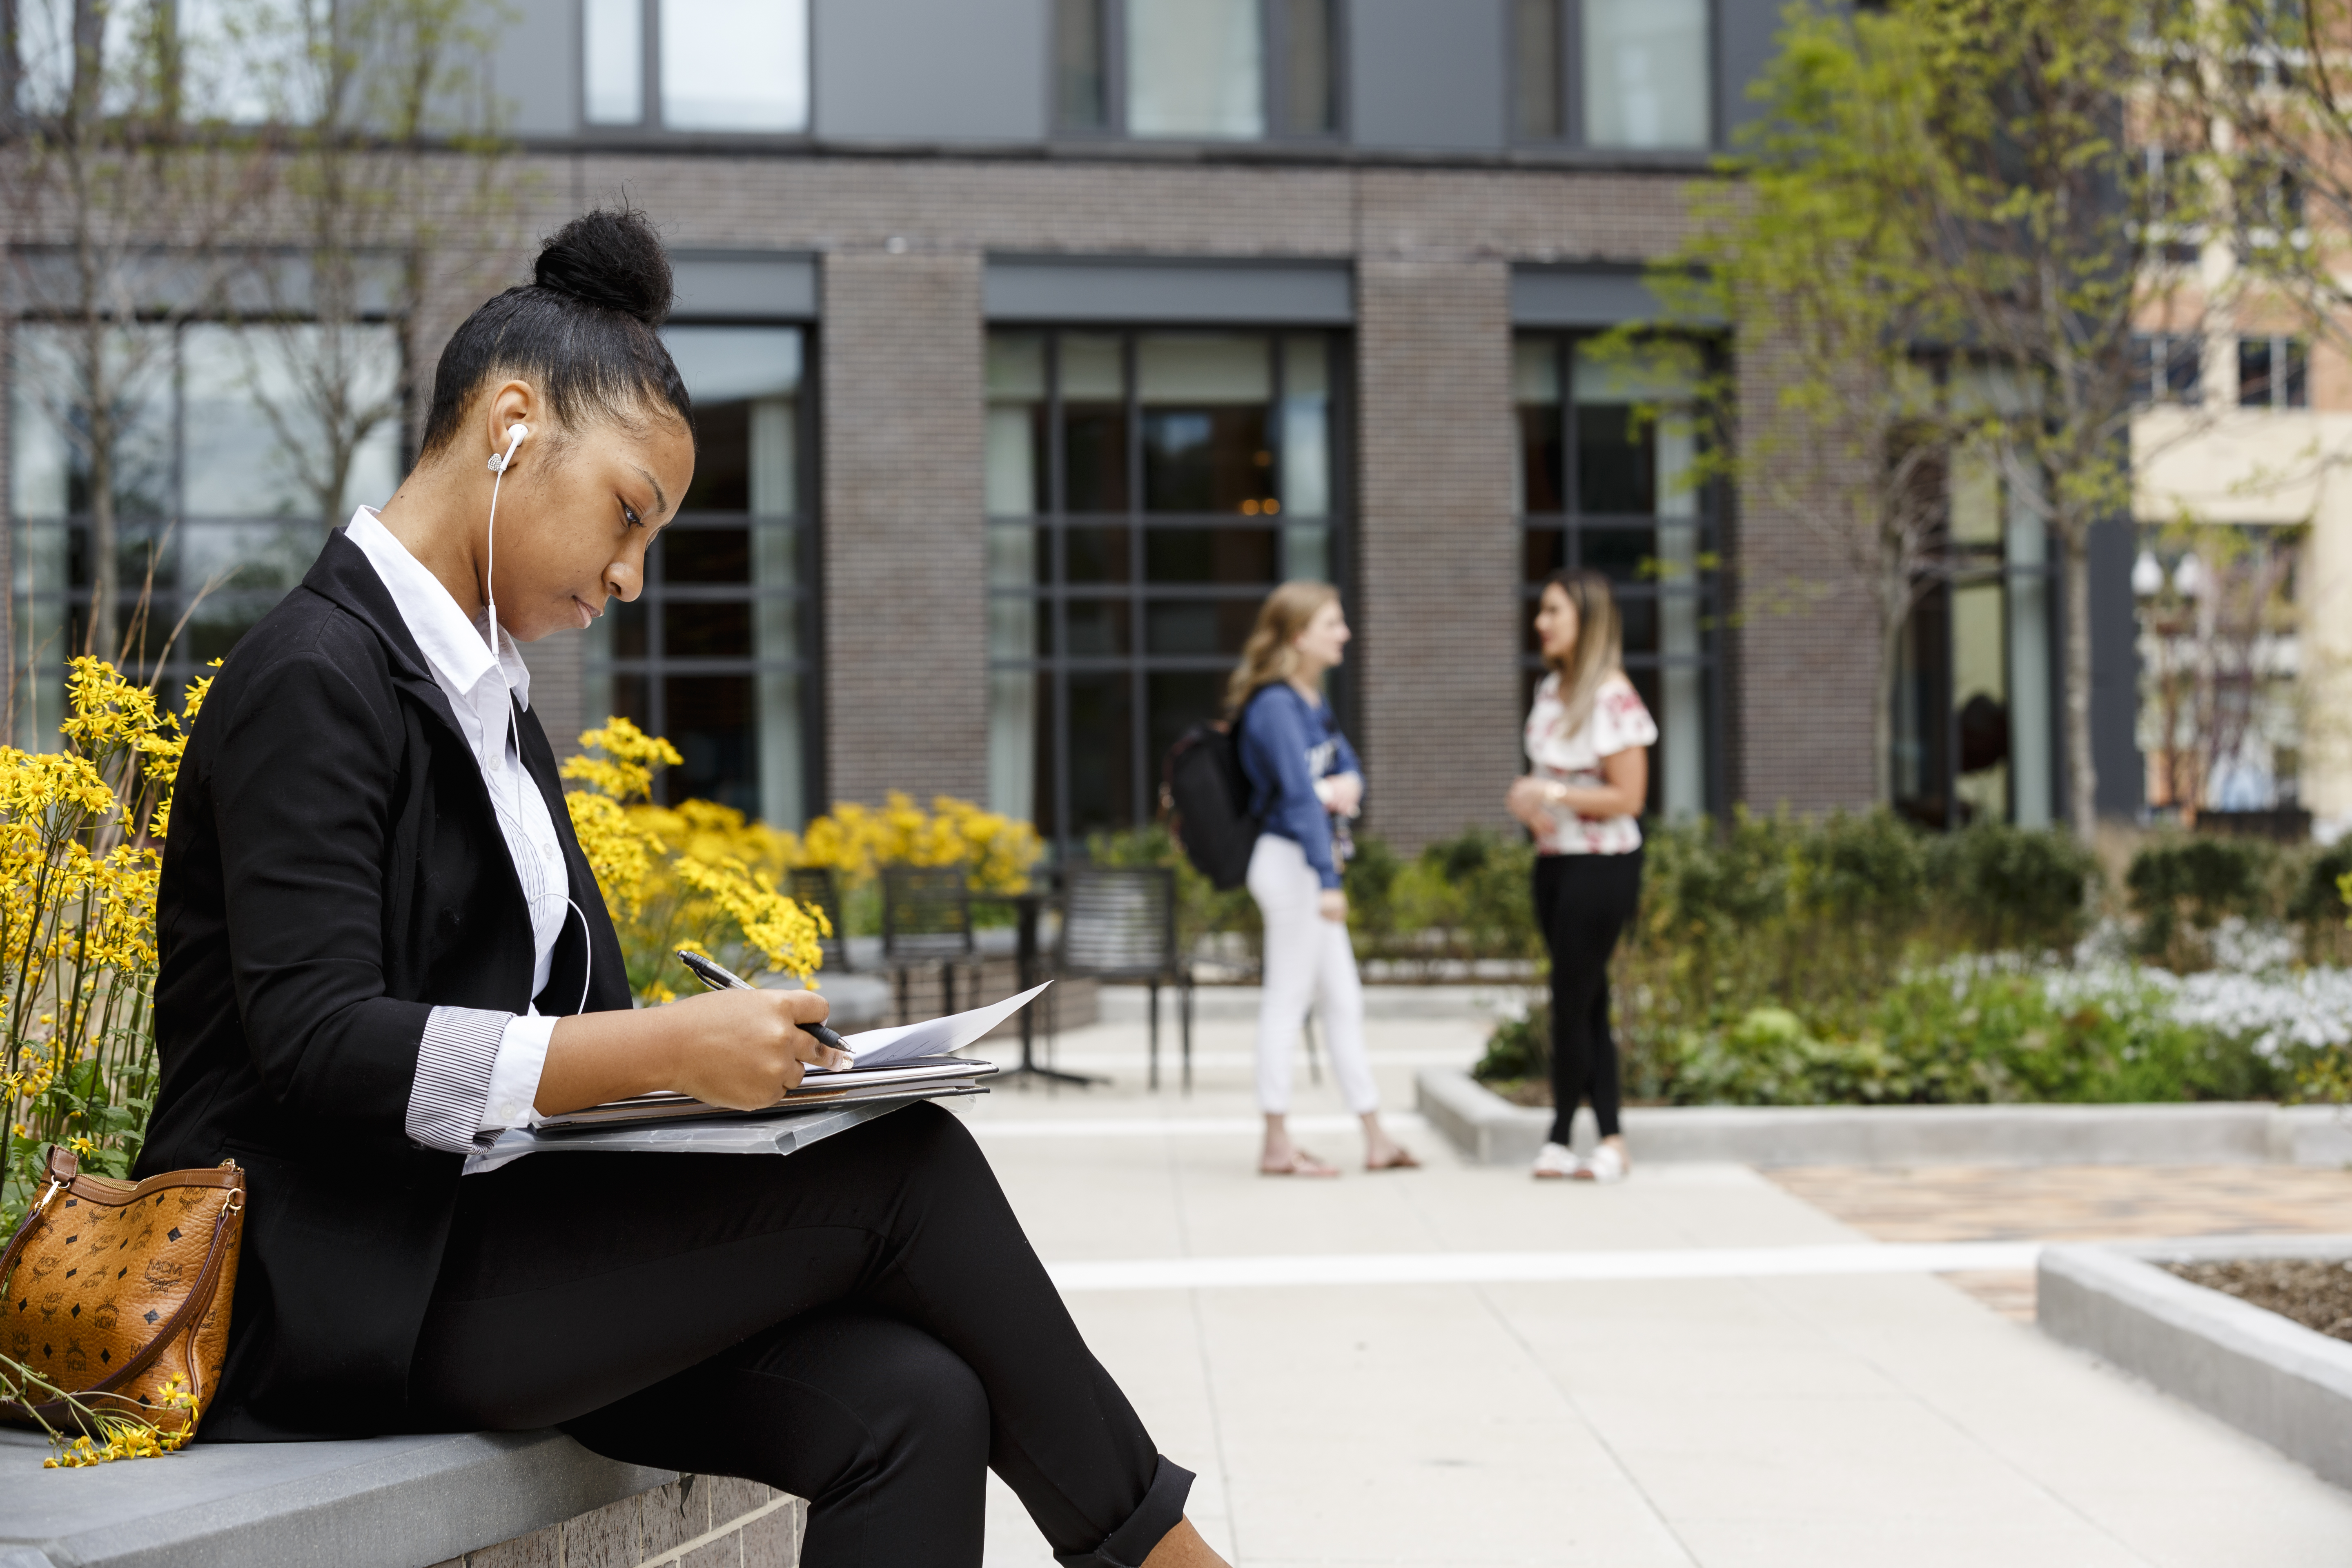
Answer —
(109, 1290)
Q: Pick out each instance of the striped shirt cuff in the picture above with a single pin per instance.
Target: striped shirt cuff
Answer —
(454, 1062)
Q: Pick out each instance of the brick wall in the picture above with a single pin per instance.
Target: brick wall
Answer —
(905, 566)
(695, 1521)
(1438, 567)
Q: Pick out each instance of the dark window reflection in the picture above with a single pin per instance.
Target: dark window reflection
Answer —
(1206, 459)
(706, 555)
(710, 721)
(1102, 753)
(1626, 555)
(1099, 628)
(1098, 554)
(1235, 555)
(1616, 460)
(1542, 455)
(1214, 627)
(722, 458)
(694, 630)
(1094, 456)
(1179, 700)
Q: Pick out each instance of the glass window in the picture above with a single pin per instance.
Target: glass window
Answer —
(2166, 368)
(1310, 107)
(250, 61)
(724, 65)
(1536, 107)
(1195, 68)
(614, 45)
(1646, 82)
(1080, 102)
(734, 65)
(224, 484)
(2273, 373)
(1146, 490)
(718, 653)
(1605, 482)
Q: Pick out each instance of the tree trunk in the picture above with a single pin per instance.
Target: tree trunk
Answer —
(2081, 774)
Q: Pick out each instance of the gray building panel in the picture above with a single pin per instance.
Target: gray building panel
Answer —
(930, 70)
(1581, 296)
(535, 68)
(720, 285)
(1307, 294)
(1747, 34)
(1426, 74)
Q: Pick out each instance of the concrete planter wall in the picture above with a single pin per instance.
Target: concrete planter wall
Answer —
(2267, 1376)
(1494, 1131)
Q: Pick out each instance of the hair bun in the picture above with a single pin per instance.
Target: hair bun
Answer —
(611, 260)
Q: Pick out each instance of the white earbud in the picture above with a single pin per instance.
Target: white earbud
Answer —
(516, 435)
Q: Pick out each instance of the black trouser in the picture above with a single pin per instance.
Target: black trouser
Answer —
(1583, 902)
(862, 1324)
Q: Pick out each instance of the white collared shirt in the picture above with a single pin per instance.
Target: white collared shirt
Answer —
(477, 1069)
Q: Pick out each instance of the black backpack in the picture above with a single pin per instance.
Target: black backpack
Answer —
(1206, 797)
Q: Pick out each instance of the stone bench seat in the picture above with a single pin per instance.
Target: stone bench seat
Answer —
(480, 1499)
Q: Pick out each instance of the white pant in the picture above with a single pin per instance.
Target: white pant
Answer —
(1307, 959)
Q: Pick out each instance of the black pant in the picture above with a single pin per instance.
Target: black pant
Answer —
(1583, 902)
(862, 1324)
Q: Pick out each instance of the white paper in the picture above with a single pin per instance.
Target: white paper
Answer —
(880, 1047)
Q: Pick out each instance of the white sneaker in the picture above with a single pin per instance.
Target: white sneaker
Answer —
(1606, 1165)
(1557, 1161)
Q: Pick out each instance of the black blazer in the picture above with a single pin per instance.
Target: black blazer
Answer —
(333, 871)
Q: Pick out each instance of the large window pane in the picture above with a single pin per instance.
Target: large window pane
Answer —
(1645, 73)
(1194, 68)
(1535, 69)
(614, 61)
(1308, 104)
(257, 438)
(1079, 101)
(1016, 424)
(252, 62)
(1205, 427)
(1305, 426)
(1094, 423)
(1535, 378)
(734, 65)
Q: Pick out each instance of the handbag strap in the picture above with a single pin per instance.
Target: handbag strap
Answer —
(60, 1181)
(199, 1297)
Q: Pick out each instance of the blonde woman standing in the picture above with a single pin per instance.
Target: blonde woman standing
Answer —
(1304, 783)
(1588, 738)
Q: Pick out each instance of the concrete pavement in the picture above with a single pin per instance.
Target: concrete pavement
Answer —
(1740, 1421)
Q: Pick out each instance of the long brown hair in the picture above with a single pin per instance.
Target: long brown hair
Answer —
(1600, 651)
(1268, 656)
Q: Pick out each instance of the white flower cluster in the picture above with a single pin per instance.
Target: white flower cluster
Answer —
(2255, 993)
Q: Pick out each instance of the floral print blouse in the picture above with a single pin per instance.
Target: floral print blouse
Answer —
(1618, 722)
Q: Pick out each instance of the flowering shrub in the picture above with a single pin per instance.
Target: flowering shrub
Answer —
(858, 840)
(689, 876)
(80, 831)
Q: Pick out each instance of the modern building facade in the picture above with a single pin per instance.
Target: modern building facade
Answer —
(1034, 341)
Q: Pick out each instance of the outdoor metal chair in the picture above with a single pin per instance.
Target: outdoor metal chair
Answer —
(819, 887)
(1119, 923)
(926, 919)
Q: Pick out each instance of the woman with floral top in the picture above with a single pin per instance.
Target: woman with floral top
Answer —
(1588, 738)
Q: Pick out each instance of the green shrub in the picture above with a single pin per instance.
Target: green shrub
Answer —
(2182, 885)
(2014, 888)
(1518, 1049)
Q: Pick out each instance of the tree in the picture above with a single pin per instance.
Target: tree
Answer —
(117, 194)
(2011, 187)
(388, 146)
(1803, 247)
(2062, 213)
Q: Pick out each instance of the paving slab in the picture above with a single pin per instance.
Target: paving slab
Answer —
(1814, 1420)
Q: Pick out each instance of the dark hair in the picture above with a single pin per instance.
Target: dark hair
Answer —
(583, 330)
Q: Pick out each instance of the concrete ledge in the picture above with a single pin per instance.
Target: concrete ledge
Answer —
(1494, 1131)
(2267, 1376)
(384, 1502)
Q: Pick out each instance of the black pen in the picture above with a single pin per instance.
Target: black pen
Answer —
(719, 977)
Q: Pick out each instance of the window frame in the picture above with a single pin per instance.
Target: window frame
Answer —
(649, 124)
(1051, 592)
(1274, 76)
(1574, 134)
(1711, 522)
(167, 532)
(656, 665)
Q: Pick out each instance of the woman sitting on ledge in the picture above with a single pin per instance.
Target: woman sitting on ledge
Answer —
(382, 946)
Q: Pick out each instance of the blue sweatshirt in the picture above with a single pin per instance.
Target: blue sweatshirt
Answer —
(1287, 743)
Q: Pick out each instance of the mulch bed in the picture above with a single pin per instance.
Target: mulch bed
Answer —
(2315, 1292)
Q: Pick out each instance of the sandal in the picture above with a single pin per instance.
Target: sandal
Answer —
(1400, 1159)
(1302, 1163)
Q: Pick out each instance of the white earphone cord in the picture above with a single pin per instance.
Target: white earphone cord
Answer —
(490, 585)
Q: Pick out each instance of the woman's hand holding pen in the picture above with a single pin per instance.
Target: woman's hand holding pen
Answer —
(744, 1050)
(741, 1049)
